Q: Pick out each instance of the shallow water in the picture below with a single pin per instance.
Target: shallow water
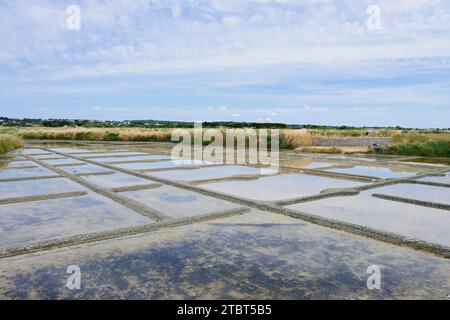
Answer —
(25, 223)
(162, 164)
(116, 180)
(379, 172)
(88, 168)
(417, 192)
(34, 151)
(47, 156)
(211, 173)
(69, 150)
(442, 179)
(25, 173)
(258, 255)
(18, 164)
(62, 161)
(131, 158)
(307, 164)
(37, 187)
(254, 256)
(93, 155)
(406, 219)
(178, 203)
(280, 187)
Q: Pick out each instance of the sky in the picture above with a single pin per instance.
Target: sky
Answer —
(352, 62)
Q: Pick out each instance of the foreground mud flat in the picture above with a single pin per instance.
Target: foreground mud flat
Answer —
(138, 224)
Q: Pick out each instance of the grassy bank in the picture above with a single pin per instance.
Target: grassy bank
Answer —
(289, 139)
(420, 137)
(405, 142)
(422, 149)
(292, 139)
(353, 132)
(97, 134)
(9, 142)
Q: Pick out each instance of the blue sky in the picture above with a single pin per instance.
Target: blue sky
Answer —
(294, 61)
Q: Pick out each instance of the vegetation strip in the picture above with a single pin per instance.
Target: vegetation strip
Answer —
(22, 167)
(421, 149)
(31, 178)
(89, 154)
(62, 165)
(273, 207)
(37, 154)
(135, 161)
(112, 155)
(282, 167)
(43, 197)
(137, 187)
(118, 233)
(52, 158)
(430, 183)
(324, 195)
(335, 175)
(243, 177)
(127, 202)
(9, 142)
(102, 173)
(430, 204)
(361, 230)
(193, 167)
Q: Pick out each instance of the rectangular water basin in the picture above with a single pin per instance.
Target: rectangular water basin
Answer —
(378, 172)
(280, 187)
(31, 152)
(177, 202)
(440, 179)
(416, 192)
(48, 156)
(85, 169)
(305, 163)
(69, 150)
(18, 164)
(212, 173)
(25, 173)
(37, 187)
(406, 219)
(62, 161)
(162, 164)
(130, 158)
(111, 154)
(252, 256)
(116, 180)
(26, 223)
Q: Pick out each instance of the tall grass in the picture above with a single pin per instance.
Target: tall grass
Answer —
(9, 142)
(97, 134)
(289, 139)
(357, 132)
(419, 137)
(292, 139)
(405, 142)
(423, 149)
(337, 132)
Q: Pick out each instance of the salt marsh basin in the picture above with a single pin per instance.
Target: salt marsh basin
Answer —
(141, 226)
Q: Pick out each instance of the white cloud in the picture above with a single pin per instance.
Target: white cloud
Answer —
(155, 36)
(231, 21)
(260, 57)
